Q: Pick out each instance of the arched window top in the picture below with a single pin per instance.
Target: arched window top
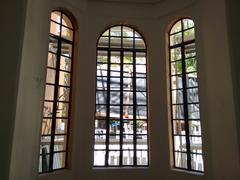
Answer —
(181, 32)
(182, 24)
(121, 36)
(61, 25)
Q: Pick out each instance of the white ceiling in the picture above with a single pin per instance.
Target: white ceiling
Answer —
(131, 1)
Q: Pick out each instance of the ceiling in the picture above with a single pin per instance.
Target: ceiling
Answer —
(132, 1)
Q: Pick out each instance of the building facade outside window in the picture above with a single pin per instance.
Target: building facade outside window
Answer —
(185, 112)
(56, 116)
(121, 117)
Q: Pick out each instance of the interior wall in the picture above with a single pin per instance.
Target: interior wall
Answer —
(215, 86)
(12, 27)
(232, 8)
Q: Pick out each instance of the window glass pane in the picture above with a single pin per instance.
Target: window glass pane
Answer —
(64, 78)
(128, 83)
(197, 162)
(128, 112)
(51, 74)
(190, 50)
(141, 98)
(192, 80)
(99, 158)
(46, 126)
(114, 128)
(177, 111)
(180, 143)
(141, 112)
(113, 159)
(188, 23)
(128, 127)
(128, 70)
(52, 60)
(65, 63)
(101, 83)
(177, 97)
(102, 57)
(127, 32)
(196, 144)
(114, 111)
(56, 16)
(66, 21)
(193, 111)
(176, 28)
(67, 33)
(176, 82)
(192, 94)
(49, 92)
(142, 127)
(176, 39)
(128, 141)
(45, 144)
(62, 109)
(100, 126)
(116, 31)
(128, 157)
(191, 64)
(115, 97)
(181, 160)
(63, 94)
(139, 43)
(127, 42)
(55, 29)
(175, 54)
(101, 97)
(142, 158)
(100, 142)
(128, 57)
(141, 84)
(61, 126)
(53, 44)
(179, 127)
(142, 142)
(127, 97)
(194, 128)
(114, 142)
(176, 67)
(189, 35)
(101, 111)
(66, 49)
(59, 160)
(47, 109)
(115, 70)
(115, 57)
(44, 163)
(103, 42)
(115, 42)
(115, 83)
(60, 143)
(140, 58)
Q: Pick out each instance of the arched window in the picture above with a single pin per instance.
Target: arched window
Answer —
(185, 112)
(121, 118)
(57, 100)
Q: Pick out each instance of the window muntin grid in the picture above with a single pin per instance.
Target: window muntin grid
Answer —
(121, 117)
(185, 112)
(57, 100)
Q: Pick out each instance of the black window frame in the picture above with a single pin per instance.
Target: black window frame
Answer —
(108, 50)
(182, 75)
(46, 156)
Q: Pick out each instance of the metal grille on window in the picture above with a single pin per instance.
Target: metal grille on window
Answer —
(185, 112)
(121, 117)
(57, 100)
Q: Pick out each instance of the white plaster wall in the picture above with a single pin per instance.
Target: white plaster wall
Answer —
(216, 96)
